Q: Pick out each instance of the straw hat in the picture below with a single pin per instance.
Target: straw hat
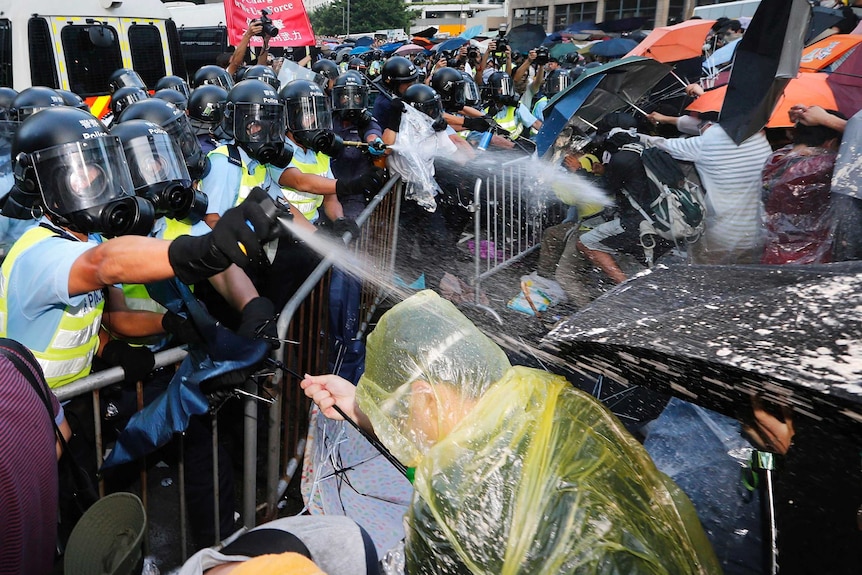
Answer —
(108, 538)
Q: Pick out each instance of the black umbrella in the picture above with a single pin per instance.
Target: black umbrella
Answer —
(767, 56)
(525, 37)
(714, 335)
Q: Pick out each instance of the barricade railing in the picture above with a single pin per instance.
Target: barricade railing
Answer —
(510, 214)
(304, 322)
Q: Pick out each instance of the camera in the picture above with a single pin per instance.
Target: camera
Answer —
(473, 53)
(542, 55)
(500, 49)
(268, 29)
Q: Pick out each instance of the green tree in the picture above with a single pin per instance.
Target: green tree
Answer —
(365, 16)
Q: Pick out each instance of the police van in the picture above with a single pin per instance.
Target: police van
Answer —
(77, 44)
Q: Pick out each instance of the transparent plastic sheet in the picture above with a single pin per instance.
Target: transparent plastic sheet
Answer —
(516, 470)
(796, 192)
(290, 71)
(413, 156)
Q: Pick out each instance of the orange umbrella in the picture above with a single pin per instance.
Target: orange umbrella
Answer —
(827, 51)
(808, 89)
(674, 43)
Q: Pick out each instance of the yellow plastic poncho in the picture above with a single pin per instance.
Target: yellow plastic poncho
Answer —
(529, 475)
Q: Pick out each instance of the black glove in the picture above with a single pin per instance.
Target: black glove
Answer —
(182, 328)
(137, 362)
(340, 227)
(258, 321)
(397, 108)
(222, 386)
(366, 185)
(482, 124)
(236, 238)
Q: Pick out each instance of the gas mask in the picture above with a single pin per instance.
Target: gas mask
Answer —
(323, 140)
(183, 133)
(159, 175)
(259, 129)
(86, 186)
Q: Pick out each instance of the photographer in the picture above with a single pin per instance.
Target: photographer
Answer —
(498, 57)
(262, 27)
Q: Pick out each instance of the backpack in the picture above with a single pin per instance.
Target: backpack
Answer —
(679, 210)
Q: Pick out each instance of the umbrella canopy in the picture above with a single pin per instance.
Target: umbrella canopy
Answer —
(822, 19)
(714, 335)
(422, 41)
(823, 55)
(766, 58)
(674, 43)
(598, 91)
(613, 48)
(812, 89)
(364, 41)
(721, 56)
(342, 53)
(472, 31)
(359, 50)
(561, 49)
(450, 44)
(525, 37)
(408, 49)
(846, 83)
(391, 47)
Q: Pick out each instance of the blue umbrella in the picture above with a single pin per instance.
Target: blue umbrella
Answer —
(359, 50)
(721, 56)
(450, 44)
(613, 48)
(472, 32)
(391, 47)
(364, 41)
(557, 116)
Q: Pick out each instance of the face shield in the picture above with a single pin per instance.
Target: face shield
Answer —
(556, 83)
(259, 128)
(160, 175)
(183, 134)
(349, 98)
(87, 184)
(432, 108)
(129, 78)
(7, 133)
(471, 93)
(309, 113)
(505, 88)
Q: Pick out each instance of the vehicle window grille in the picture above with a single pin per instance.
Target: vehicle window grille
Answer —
(5, 53)
(177, 61)
(148, 57)
(43, 67)
(89, 66)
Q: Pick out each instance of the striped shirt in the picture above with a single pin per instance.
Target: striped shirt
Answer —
(730, 175)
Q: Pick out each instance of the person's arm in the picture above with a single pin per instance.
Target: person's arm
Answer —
(816, 116)
(125, 259)
(524, 68)
(508, 60)
(684, 149)
(235, 287)
(238, 56)
(308, 183)
(126, 323)
(330, 390)
(332, 207)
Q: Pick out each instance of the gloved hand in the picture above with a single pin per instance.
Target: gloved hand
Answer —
(377, 147)
(366, 185)
(238, 238)
(182, 328)
(258, 321)
(481, 124)
(341, 226)
(222, 386)
(137, 362)
(396, 109)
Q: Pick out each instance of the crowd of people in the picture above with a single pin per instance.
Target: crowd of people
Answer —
(179, 181)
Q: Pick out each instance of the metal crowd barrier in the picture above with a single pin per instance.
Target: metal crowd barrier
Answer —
(304, 322)
(510, 213)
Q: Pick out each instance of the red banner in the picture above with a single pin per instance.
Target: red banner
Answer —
(294, 28)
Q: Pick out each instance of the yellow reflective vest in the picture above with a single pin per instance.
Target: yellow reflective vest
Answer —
(248, 181)
(306, 202)
(69, 354)
(509, 121)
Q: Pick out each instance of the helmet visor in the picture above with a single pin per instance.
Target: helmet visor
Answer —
(223, 80)
(258, 123)
(81, 175)
(153, 159)
(309, 113)
(183, 133)
(129, 78)
(349, 97)
(504, 87)
(471, 92)
(432, 108)
(556, 83)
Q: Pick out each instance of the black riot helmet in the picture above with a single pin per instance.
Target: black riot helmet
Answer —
(309, 118)
(501, 89)
(72, 99)
(398, 70)
(254, 118)
(7, 95)
(357, 63)
(472, 97)
(67, 164)
(31, 100)
(329, 70)
(8, 122)
(175, 122)
(125, 97)
(173, 83)
(425, 99)
(173, 96)
(449, 84)
(206, 107)
(556, 81)
(159, 171)
(123, 77)
(262, 73)
(212, 74)
(350, 92)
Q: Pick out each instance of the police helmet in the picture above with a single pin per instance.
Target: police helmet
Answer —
(471, 91)
(357, 63)
(449, 84)
(8, 121)
(125, 97)
(212, 74)
(125, 77)
(309, 117)
(175, 122)
(556, 81)
(349, 92)
(173, 96)
(31, 100)
(398, 70)
(262, 73)
(254, 117)
(159, 171)
(72, 99)
(425, 99)
(206, 104)
(65, 162)
(326, 68)
(174, 83)
(501, 88)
